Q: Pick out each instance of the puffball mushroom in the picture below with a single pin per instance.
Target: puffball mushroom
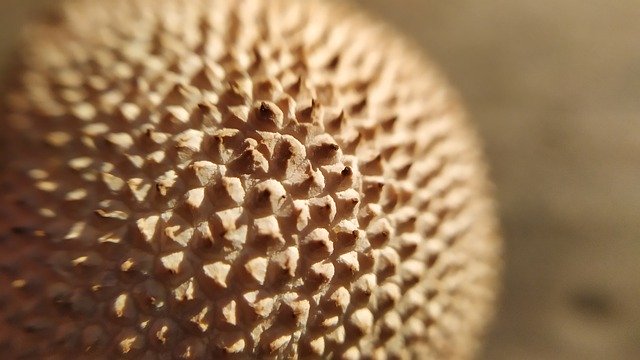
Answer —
(204, 179)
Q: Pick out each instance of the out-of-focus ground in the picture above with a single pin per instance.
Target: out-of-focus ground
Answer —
(554, 88)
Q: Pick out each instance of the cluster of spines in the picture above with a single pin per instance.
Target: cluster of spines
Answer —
(268, 198)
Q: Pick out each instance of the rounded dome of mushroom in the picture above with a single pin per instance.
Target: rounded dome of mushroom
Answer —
(207, 178)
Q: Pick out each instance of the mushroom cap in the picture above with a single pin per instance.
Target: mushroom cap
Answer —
(209, 178)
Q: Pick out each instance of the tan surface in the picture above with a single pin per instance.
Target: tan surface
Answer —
(553, 86)
(218, 217)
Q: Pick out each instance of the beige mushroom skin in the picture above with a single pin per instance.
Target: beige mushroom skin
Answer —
(207, 179)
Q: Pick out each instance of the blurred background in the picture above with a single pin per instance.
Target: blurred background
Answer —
(554, 88)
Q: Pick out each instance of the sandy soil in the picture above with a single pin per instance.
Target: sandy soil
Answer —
(553, 86)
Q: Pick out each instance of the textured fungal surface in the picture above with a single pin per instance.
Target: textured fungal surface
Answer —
(204, 179)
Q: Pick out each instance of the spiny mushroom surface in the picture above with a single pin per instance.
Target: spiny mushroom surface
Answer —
(204, 178)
